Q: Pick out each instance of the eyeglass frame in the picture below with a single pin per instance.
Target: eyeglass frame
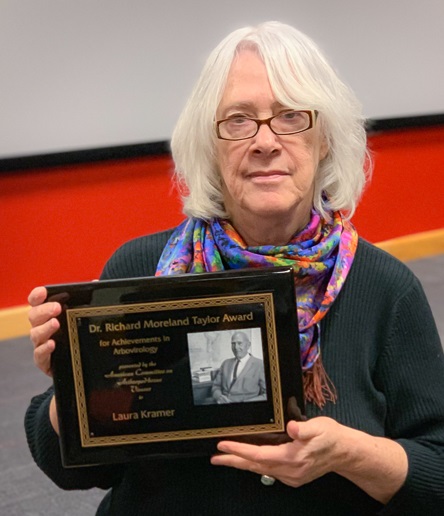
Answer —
(313, 115)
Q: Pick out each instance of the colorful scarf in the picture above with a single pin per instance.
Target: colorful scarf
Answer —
(321, 256)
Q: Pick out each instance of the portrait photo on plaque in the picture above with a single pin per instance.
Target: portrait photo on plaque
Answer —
(150, 367)
(227, 366)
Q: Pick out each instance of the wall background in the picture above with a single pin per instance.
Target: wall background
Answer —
(91, 73)
(102, 73)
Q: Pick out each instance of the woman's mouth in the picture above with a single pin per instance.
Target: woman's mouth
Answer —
(267, 176)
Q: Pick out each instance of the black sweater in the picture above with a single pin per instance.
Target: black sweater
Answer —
(381, 349)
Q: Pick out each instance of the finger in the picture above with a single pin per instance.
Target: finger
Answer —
(234, 461)
(316, 427)
(307, 430)
(250, 452)
(42, 356)
(43, 313)
(279, 472)
(43, 332)
(240, 449)
(293, 430)
(37, 296)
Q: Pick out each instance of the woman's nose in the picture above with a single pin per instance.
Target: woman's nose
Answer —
(265, 140)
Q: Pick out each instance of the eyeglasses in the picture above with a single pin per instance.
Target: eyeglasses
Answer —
(241, 127)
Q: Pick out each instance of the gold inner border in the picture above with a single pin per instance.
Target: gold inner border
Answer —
(87, 440)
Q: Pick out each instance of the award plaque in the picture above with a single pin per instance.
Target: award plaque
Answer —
(148, 367)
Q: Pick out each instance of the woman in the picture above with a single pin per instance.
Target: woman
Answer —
(271, 150)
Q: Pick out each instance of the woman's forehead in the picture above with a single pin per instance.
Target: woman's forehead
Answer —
(247, 84)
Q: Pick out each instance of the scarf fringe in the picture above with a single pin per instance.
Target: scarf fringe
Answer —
(318, 388)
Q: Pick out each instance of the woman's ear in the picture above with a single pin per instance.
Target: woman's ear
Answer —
(323, 151)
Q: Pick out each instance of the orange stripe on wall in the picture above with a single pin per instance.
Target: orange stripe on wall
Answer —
(406, 192)
(61, 224)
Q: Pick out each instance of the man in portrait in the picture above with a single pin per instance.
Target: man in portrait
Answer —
(242, 377)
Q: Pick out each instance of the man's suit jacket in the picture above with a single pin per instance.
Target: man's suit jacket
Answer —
(249, 384)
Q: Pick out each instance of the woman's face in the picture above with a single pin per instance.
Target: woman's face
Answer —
(267, 177)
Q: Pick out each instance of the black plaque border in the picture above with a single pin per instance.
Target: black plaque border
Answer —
(274, 286)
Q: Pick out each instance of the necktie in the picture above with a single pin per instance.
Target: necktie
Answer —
(234, 373)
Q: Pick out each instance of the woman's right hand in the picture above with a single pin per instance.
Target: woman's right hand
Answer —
(42, 317)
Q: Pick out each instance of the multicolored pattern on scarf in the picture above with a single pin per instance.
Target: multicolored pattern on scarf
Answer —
(321, 256)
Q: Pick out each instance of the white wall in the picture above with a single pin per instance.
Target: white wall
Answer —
(78, 74)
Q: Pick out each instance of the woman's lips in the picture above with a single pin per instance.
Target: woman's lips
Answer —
(267, 176)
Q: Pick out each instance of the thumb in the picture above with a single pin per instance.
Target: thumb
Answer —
(293, 429)
(302, 430)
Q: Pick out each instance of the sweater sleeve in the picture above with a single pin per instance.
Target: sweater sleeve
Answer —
(44, 446)
(411, 373)
(136, 258)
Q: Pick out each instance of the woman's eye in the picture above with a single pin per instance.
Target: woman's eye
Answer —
(239, 120)
(291, 115)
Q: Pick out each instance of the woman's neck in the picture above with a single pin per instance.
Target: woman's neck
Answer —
(268, 231)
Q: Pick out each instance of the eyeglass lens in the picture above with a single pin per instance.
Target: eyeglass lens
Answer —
(284, 123)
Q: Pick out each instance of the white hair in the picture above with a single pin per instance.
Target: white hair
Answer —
(300, 78)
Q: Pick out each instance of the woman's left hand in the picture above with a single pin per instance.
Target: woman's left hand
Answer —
(322, 445)
(315, 449)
